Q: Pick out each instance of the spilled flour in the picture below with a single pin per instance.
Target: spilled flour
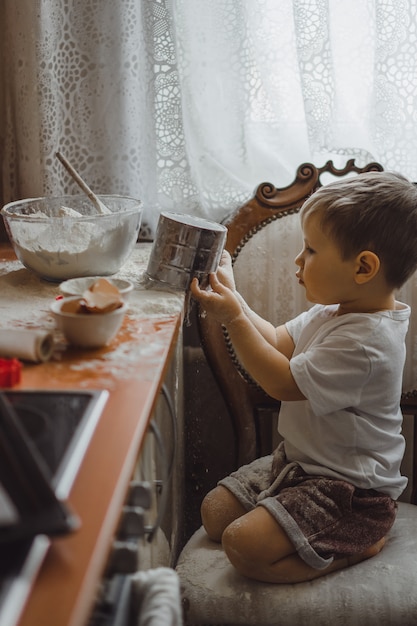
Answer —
(25, 303)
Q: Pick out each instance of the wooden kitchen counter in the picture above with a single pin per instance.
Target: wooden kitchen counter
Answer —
(132, 369)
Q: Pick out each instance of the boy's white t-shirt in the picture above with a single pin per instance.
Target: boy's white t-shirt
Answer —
(350, 369)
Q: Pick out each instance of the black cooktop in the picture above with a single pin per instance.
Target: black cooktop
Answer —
(54, 421)
(59, 425)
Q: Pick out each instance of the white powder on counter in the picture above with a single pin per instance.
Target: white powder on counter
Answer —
(148, 300)
(25, 301)
(119, 362)
(24, 298)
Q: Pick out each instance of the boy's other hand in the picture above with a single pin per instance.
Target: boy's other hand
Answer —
(220, 301)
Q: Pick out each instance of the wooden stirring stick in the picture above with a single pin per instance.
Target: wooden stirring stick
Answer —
(101, 208)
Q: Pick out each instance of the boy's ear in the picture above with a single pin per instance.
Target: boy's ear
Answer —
(367, 266)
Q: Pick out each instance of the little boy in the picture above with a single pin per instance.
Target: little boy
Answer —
(326, 497)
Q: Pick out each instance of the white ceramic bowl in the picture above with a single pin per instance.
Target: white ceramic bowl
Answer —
(77, 286)
(56, 244)
(90, 330)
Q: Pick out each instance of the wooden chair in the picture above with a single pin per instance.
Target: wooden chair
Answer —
(381, 590)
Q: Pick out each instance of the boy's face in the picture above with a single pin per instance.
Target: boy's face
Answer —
(327, 278)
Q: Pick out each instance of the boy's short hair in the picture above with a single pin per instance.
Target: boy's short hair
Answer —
(374, 211)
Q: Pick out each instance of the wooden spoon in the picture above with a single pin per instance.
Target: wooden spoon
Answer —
(101, 208)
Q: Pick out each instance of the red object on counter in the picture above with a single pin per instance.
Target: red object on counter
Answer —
(10, 372)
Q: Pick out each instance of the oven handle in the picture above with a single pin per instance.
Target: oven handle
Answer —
(163, 483)
(172, 413)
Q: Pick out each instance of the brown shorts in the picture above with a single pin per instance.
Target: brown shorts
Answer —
(325, 518)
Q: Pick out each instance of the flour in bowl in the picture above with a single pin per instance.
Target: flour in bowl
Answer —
(66, 248)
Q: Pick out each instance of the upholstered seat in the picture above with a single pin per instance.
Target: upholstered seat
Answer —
(381, 591)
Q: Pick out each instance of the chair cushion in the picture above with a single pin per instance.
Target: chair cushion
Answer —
(381, 591)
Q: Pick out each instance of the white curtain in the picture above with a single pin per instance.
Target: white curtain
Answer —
(190, 104)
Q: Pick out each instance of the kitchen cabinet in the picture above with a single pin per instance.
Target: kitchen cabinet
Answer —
(141, 370)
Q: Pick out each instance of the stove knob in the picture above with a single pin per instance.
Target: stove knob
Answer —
(123, 558)
(132, 522)
(140, 494)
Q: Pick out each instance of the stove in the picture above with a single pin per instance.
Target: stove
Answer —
(60, 424)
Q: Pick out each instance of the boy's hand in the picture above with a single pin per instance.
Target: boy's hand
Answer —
(220, 302)
(225, 271)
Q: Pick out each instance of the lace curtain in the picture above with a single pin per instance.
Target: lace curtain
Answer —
(189, 104)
